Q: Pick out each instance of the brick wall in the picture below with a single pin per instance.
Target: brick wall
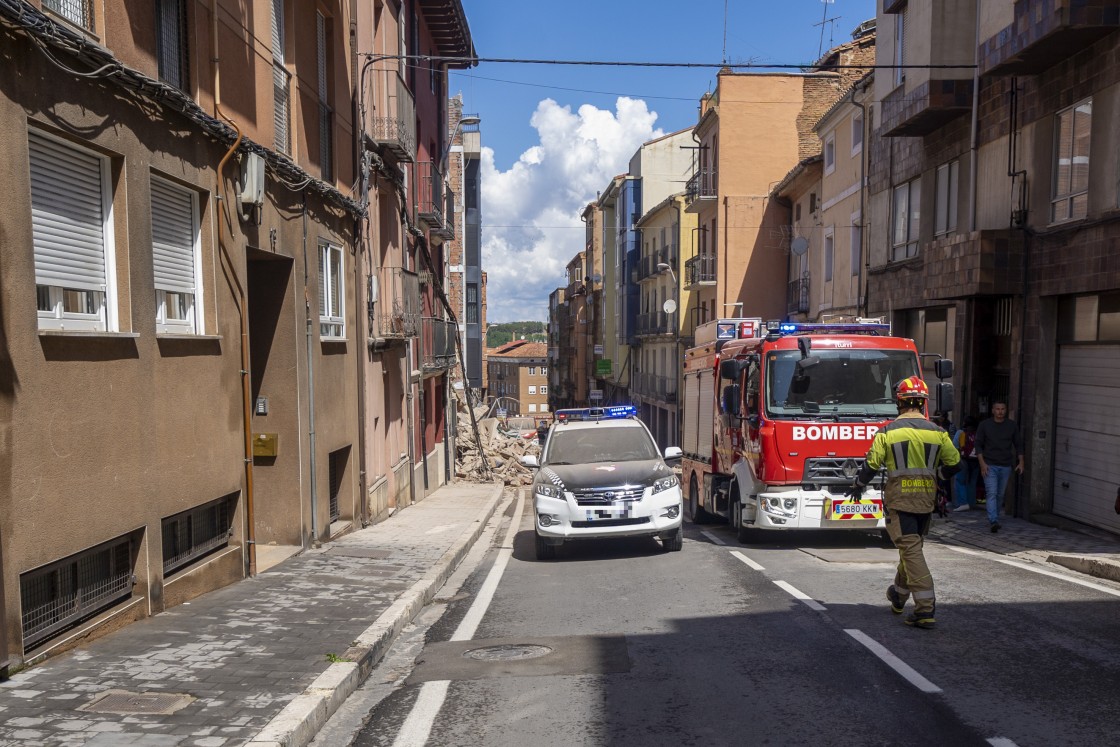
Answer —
(819, 93)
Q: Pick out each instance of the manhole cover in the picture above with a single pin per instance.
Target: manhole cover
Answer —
(124, 702)
(509, 652)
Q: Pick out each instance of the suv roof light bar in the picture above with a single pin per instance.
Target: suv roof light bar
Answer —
(598, 413)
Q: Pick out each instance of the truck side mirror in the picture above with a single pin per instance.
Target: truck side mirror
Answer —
(943, 367)
(807, 363)
(752, 422)
(945, 397)
(729, 369)
(731, 397)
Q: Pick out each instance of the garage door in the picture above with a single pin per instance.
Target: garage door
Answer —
(1087, 435)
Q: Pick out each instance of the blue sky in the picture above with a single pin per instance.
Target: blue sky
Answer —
(554, 135)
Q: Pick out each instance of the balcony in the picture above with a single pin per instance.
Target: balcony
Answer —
(447, 231)
(431, 196)
(926, 107)
(395, 302)
(1046, 32)
(654, 323)
(797, 296)
(973, 264)
(394, 115)
(654, 387)
(700, 271)
(437, 344)
(575, 288)
(647, 265)
(700, 190)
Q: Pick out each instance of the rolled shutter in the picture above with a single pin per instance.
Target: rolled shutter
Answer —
(172, 238)
(67, 216)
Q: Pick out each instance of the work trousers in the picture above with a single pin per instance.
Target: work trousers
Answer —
(907, 531)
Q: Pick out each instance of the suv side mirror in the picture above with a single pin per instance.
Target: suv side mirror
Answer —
(945, 396)
(530, 461)
(673, 453)
(943, 367)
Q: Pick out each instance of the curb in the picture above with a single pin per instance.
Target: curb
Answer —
(298, 723)
(1105, 569)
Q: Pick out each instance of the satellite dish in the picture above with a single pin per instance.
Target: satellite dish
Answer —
(799, 245)
(669, 306)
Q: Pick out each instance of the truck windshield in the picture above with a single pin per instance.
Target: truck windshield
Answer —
(844, 382)
(585, 445)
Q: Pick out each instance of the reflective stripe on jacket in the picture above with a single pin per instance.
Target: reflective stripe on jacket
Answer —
(911, 448)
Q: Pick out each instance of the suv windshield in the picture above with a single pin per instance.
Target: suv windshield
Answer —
(584, 445)
(846, 381)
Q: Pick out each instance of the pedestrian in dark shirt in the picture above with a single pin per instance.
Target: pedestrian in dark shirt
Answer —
(542, 433)
(999, 449)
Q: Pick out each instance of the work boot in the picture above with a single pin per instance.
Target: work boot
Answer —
(898, 602)
(922, 620)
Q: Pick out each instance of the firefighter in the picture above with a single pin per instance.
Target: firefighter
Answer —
(911, 448)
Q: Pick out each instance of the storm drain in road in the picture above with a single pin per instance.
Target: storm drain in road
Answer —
(521, 657)
(129, 703)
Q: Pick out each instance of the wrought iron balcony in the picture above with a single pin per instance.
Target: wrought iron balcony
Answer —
(655, 323)
(430, 197)
(797, 296)
(437, 343)
(394, 115)
(701, 187)
(395, 302)
(699, 271)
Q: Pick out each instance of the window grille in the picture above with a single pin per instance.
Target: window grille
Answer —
(189, 535)
(326, 115)
(76, 11)
(336, 467)
(171, 38)
(57, 596)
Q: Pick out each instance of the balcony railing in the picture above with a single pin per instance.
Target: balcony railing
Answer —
(430, 200)
(447, 230)
(797, 296)
(396, 304)
(394, 115)
(700, 270)
(702, 186)
(654, 386)
(647, 265)
(655, 323)
(437, 343)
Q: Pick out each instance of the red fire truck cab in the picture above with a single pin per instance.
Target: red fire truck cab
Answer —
(778, 418)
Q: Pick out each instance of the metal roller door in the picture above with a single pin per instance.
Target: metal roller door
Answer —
(1087, 435)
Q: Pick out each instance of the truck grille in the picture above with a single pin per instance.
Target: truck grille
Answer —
(832, 469)
(607, 496)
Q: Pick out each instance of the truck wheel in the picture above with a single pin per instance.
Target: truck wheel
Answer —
(545, 551)
(674, 543)
(696, 514)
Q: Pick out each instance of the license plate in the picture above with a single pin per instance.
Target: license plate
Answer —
(841, 510)
(618, 510)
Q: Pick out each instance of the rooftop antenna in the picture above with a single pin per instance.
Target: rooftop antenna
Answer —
(724, 32)
(825, 20)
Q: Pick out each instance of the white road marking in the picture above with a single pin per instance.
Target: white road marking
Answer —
(1001, 742)
(747, 560)
(798, 594)
(1036, 569)
(712, 537)
(895, 663)
(418, 726)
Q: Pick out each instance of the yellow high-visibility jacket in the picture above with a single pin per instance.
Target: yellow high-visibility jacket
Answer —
(911, 448)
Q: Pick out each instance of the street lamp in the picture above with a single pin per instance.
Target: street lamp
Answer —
(672, 305)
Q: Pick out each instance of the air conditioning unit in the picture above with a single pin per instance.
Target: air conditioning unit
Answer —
(252, 180)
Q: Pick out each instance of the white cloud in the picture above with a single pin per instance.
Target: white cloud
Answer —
(531, 224)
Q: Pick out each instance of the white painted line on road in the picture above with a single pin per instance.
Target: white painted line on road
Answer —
(747, 560)
(892, 661)
(798, 594)
(712, 537)
(1001, 742)
(418, 726)
(1036, 569)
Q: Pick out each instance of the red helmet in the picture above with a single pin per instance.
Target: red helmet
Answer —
(912, 388)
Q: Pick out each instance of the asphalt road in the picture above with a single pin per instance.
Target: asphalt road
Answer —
(725, 644)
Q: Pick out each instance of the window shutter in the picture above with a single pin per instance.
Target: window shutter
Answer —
(321, 54)
(278, 29)
(67, 217)
(172, 238)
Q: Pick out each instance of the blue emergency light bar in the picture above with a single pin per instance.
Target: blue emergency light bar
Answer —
(598, 413)
(816, 328)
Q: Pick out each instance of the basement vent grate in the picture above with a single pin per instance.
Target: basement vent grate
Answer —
(128, 703)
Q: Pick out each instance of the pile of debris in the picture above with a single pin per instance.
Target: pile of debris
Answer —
(501, 449)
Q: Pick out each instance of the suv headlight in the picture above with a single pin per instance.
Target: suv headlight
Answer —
(665, 483)
(548, 491)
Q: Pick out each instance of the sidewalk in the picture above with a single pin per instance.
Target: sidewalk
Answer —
(264, 661)
(1089, 551)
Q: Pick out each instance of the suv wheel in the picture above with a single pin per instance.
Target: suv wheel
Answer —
(545, 551)
(674, 542)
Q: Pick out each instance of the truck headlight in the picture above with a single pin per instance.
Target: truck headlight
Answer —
(665, 483)
(781, 506)
(548, 491)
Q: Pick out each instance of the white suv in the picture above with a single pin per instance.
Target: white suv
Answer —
(600, 475)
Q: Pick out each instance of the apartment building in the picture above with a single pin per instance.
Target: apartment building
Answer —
(197, 335)
(519, 372)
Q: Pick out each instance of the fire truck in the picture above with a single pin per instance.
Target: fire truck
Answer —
(777, 419)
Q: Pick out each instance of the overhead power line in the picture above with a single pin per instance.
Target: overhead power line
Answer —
(470, 61)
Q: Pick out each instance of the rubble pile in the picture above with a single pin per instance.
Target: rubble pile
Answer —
(502, 449)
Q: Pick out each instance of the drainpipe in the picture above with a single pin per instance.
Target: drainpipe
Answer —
(246, 417)
(359, 249)
(861, 298)
(975, 130)
(310, 382)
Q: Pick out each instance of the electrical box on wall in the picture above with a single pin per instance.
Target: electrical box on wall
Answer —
(264, 444)
(252, 179)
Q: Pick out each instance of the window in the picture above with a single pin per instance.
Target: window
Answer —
(532, 389)
(195, 533)
(945, 211)
(175, 257)
(900, 46)
(1071, 163)
(905, 209)
(812, 202)
(857, 132)
(75, 11)
(797, 212)
(326, 115)
(472, 303)
(544, 408)
(544, 390)
(71, 235)
(171, 42)
(532, 407)
(829, 247)
(331, 323)
(829, 153)
(532, 370)
(857, 243)
(544, 370)
(281, 93)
